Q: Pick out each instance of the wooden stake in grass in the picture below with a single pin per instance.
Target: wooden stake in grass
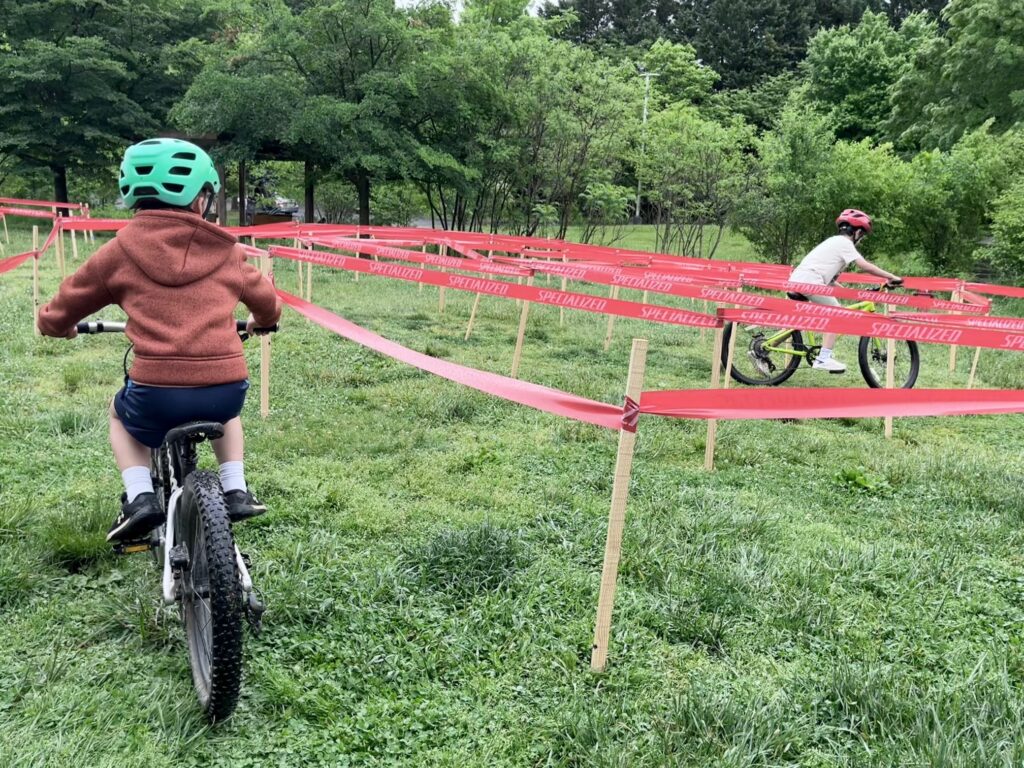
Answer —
(74, 245)
(35, 280)
(423, 250)
(309, 279)
(617, 514)
(60, 246)
(890, 376)
(952, 347)
(443, 250)
(974, 368)
(472, 316)
(565, 281)
(613, 293)
(7, 235)
(264, 350)
(517, 356)
(716, 370)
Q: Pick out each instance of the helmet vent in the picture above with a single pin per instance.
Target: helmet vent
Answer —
(124, 189)
(140, 191)
(151, 141)
(180, 170)
(175, 188)
(144, 170)
(184, 156)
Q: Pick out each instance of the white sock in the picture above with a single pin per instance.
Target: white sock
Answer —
(824, 354)
(232, 476)
(136, 480)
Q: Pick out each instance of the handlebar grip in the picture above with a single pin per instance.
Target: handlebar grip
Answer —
(101, 326)
(240, 327)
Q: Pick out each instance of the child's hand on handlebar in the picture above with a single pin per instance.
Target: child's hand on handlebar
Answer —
(894, 282)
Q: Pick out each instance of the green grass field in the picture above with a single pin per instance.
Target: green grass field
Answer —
(432, 556)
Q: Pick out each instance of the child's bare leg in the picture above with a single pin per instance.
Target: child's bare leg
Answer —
(230, 447)
(132, 459)
(230, 450)
(828, 340)
(128, 452)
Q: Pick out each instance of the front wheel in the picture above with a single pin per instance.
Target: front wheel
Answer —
(759, 359)
(211, 598)
(872, 355)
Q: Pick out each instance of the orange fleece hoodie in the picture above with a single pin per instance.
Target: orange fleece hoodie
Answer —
(179, 279)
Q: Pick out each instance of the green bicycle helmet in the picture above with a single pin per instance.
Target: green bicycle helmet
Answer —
(169, 170)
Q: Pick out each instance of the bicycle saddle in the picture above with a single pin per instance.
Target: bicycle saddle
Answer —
(197, 431)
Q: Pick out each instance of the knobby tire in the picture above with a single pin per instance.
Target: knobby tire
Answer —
(211, 596)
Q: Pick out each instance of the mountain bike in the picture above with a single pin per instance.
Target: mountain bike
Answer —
(203, 569)
(767, 357)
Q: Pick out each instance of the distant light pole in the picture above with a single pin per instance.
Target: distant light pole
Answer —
(643, 133)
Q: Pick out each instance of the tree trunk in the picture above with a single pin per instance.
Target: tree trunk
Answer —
(363, 188)
(60, 185)
(308, 180)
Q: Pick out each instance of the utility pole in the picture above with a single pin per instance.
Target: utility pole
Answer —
(643, 132)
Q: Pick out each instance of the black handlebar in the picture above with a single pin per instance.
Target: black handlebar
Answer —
(107, 326)
(888, 285)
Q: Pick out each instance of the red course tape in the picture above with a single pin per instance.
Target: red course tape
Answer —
(522, 392)
(828, 403)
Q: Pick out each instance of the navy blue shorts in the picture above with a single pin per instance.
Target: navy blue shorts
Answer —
(149, 413)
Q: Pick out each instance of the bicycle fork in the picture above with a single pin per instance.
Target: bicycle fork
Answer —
(176, 558)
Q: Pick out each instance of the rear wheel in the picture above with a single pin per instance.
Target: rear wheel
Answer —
(211, 599)
(872, 355)
(754, 363)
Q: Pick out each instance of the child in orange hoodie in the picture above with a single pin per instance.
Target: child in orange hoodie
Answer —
(179, 279)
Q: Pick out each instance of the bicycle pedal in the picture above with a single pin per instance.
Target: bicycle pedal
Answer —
(131, 547)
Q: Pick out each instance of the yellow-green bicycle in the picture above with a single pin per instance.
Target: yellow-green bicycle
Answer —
(767, 357)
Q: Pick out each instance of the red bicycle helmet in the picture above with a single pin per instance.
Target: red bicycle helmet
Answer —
(855, 218)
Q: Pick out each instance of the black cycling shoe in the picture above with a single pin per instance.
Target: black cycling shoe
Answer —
(242, 505)
(136, 519)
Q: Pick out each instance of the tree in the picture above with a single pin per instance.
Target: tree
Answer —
(679, 76)
(79, 81)
(1006, 254)
(781, 214)
(850, 70)
(693, 171)
(972, 73)
(335, 72)
(951, 196)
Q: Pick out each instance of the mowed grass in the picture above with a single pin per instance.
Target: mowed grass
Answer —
(432, 557)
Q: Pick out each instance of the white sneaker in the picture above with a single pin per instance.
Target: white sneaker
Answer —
(831, 365)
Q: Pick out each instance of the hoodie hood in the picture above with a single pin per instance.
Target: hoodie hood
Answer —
(174, 247)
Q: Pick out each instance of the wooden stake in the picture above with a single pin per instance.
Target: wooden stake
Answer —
(613, 293)
(890, 376)
(74, 245)
(565, 281)
(309, 280)
(423, 250)
(472, 316)
(716, 369)
(264, 352)
(441, 296)
(617, 514)
(517, 356)
(35, 280)
(60, 247)
(644, 299)
(952, 347)
(974, 368)
(7, 235)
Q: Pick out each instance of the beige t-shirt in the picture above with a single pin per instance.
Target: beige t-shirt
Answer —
(828, 259)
